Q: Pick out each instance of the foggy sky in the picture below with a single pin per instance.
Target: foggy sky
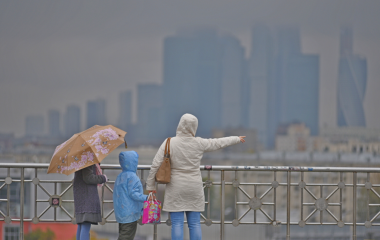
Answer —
(55, 53)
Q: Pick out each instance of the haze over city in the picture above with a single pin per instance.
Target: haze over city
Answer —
(53, 54)
(288, 90)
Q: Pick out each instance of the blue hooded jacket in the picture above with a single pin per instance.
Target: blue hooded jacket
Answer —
(128, 197)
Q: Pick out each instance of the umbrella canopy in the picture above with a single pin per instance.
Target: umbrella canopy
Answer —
(85, 149)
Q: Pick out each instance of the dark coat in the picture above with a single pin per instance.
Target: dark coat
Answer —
(86, 198)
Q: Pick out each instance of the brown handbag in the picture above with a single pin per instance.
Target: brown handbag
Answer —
(164, 172)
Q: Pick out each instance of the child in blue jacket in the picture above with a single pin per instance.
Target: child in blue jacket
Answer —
(128, 197)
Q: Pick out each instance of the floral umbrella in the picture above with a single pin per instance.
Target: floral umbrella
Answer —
(85, 149)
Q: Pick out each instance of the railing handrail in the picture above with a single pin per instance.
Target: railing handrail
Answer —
(221, 168)
(319, 200)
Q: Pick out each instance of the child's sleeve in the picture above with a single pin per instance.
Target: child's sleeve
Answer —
(134, 190)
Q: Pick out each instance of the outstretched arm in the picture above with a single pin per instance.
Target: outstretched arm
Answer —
(213, 144)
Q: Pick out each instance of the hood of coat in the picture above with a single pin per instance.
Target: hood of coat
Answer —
(128, 161)
(187, 126)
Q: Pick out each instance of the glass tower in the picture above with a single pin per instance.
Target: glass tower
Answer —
(352, 83)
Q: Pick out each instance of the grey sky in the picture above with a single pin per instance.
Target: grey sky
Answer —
(54, 53)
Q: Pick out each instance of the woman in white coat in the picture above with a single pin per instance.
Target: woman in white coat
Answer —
(184, 193)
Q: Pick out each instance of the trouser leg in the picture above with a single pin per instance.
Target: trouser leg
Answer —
(194, 223)
(79, 226)
(127, 231)
(85, 231)
(177, 225)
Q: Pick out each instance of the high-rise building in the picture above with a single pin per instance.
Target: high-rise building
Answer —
(72, 121)
(204, 74)
(192, 68)
(352, 82)
(34, 126)
(260, 69)
(294, 87)
(149, 114)
(232, 82)
(54, 120)
(96, 112)
(125, 110)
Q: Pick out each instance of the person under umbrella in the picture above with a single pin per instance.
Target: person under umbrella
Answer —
(82, 154)
(86, 199)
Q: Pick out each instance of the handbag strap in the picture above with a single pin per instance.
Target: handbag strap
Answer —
(167, 148)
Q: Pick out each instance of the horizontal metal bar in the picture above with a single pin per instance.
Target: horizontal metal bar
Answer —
(42, 220)
(308, 204)
(256, 223)
(220, 168)
(322, 184)
(214, 222)
(55, 181)
(334, 204)
(18, 180)
(258, 184)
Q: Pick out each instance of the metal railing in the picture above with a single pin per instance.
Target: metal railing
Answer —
(248, 205)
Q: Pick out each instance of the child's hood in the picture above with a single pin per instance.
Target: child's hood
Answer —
(128, 161)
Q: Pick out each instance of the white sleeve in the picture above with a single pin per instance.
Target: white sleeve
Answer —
(157, 160)
(213, 144)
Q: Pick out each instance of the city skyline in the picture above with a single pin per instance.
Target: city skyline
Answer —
(277, 85)
(70, 59)
(274, 88)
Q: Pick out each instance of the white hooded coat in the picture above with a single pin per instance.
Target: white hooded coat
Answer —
(185, 190)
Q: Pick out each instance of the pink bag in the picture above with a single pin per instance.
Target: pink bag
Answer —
(152, 211)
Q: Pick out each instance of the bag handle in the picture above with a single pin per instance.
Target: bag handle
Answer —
(167, 148)
(150, 195)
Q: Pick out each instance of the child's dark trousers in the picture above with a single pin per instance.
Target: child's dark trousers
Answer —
(127, 231)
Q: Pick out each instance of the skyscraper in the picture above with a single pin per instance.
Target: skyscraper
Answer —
(54, 120)
(260, 72)
(96, 112)
(149, 114)
(34, 126)
(203, 72)
(294, 87)
(232, 82)
(125, 110)
(72, 121)
(352, 82)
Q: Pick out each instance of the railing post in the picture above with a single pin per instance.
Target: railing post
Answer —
(8, 195)
(354, 207)
(222, 205)
(288, 208)
(22, 205)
